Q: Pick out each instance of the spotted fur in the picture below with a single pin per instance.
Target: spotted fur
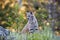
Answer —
(32, 24)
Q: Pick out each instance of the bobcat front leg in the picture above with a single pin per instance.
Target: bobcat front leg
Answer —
(26, 28)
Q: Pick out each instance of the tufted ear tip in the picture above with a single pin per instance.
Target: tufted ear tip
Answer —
(30, 12)
(27, 11)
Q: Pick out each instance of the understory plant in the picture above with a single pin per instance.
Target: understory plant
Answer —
(45, 34)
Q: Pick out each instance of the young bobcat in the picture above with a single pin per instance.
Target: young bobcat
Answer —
(32, 24)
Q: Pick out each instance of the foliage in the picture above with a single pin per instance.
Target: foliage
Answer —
(41, 16)
(7, 12)
(12, 16)
(42, 35)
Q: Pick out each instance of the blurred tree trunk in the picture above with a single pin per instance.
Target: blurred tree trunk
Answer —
(52, 13)
(58, 15)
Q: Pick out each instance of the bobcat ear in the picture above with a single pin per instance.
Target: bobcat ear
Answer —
(30, 12)
(27, 11)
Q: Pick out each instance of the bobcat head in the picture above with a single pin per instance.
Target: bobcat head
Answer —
(30, 16)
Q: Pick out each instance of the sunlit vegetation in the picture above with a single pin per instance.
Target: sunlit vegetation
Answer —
(13, 17)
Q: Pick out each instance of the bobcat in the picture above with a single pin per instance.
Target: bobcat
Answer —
(32, 24)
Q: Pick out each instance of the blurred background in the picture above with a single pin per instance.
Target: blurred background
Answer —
(13, 14)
